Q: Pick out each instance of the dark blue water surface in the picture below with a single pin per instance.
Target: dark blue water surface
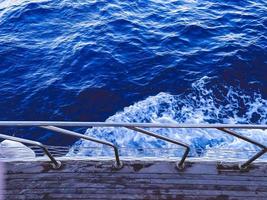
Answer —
(86, 60)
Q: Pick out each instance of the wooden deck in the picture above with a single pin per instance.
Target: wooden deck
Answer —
(138, 179)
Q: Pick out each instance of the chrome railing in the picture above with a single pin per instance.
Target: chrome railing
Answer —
(138, 127)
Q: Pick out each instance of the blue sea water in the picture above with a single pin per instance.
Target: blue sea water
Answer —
(185, 61)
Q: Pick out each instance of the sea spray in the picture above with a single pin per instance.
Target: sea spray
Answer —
(203, 105)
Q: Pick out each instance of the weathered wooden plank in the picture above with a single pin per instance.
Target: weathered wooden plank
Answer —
(181, 195)
(122, 181)
(135, 188)
(134, 167)
(80, 179)
(155, 180)
(67, 175)
(136, 197)
(153, 187)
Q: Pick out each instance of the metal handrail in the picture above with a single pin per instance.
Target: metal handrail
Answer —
(123, 124)
(180, 165)
(118, 163)
(55, 164)
(133, 126)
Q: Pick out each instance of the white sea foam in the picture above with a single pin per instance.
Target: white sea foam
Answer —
(202, 105)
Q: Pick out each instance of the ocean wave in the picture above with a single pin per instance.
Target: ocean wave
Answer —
(203, 105)
(86, 60)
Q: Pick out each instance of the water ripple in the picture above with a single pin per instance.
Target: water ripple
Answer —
(65, 60)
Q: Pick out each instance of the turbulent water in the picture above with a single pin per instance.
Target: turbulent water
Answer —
(190, 61)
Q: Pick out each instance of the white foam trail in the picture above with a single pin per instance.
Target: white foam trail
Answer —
(199, 106)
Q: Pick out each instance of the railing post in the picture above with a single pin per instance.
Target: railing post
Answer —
(118, 164)
(256, 156)
(180, 165)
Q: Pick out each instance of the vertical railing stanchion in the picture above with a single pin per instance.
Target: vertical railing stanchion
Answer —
(180, 165)
(256, 156)
(118, 163)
